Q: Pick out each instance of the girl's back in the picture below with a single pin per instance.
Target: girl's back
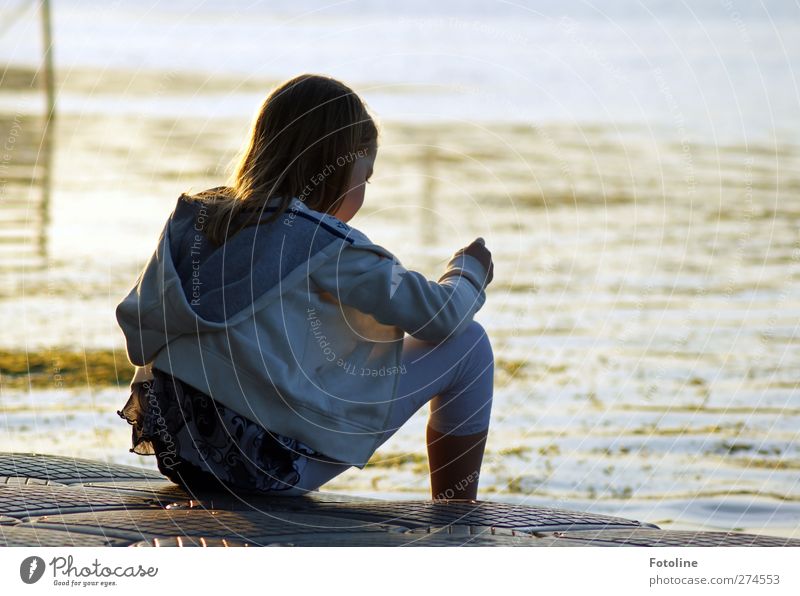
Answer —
(283, 313)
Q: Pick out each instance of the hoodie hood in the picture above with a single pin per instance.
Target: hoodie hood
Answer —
(190, 286)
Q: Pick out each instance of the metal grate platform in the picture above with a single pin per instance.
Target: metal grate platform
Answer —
(179, 498)
(160, 490)
(193, 541)
(67, 470)
(353, 539)
(411, 540)
(18, 480)
(25, 535)
(423, 514)
(58, 501)
(28, 500)
(250, 525)
(645, 537)
(459, 530)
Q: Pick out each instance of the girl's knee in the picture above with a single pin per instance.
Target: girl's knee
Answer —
(478, 343)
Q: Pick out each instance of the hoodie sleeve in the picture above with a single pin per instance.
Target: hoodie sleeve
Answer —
(376, 283)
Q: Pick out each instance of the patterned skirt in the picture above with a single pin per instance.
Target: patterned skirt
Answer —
(201, 444)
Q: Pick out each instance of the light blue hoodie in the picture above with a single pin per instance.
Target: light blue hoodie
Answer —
(296, 325)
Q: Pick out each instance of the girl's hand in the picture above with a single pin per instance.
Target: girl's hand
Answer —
(478, 250)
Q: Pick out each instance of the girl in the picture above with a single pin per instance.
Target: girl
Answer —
(270, 336)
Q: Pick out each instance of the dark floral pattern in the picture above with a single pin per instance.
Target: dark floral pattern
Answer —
(200, 444)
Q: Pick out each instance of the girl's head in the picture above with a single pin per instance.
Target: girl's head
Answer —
(312, 139)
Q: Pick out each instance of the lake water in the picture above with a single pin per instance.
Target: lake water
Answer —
(635, 172)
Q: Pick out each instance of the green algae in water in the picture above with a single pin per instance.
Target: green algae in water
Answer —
(509, 366)
(397, 460)
(58, 368)
(519, 451)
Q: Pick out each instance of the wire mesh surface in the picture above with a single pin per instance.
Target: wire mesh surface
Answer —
(67, 470)
(160, 490)
(17, 480)
(354, 539)
(460, 530)
(643, 537)
(421, 514)
(26, 535)
(28, 500)
(193, 541)
(58, 501)
(165, 490)
(411, 540)
(144, 524)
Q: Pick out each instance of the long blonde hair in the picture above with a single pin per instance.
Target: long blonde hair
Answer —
(302, 144)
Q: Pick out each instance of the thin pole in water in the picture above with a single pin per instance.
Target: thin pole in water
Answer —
(47, 133)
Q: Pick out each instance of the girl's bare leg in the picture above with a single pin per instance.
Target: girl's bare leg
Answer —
(455, 463)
